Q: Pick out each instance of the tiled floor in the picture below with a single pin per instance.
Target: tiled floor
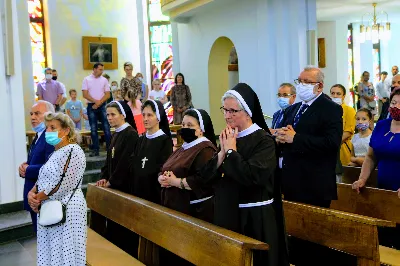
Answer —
(18, 253)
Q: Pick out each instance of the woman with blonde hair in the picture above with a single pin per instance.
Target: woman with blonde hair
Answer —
(158, 93)
(60, 178)
(129, 82)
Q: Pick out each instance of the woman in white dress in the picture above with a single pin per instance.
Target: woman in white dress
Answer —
(63, 244)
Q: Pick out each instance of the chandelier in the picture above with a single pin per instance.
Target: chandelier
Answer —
(374, 28)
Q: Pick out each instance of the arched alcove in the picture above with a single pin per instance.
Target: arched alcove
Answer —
(219, 78)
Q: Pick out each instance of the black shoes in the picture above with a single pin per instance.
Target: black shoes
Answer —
(94, 153)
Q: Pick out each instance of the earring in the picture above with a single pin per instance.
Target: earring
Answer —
(70, 140)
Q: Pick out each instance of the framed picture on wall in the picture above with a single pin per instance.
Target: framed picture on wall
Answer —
(100, 49)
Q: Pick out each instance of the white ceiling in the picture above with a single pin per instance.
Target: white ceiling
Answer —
(352, 10)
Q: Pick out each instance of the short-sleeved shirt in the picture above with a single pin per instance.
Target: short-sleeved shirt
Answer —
(75, 108)
(386, 147)
(157, 95)
(49, 90)
(97, 87)
(360, 145)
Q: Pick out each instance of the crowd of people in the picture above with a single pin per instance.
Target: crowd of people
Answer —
(236, 183)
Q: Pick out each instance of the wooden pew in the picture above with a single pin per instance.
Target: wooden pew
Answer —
(351, 233)
(100, 252)
(196, 241)
(351, 174)
(371, 202)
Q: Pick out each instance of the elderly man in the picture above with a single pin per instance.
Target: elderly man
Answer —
(395, 71)
(50, 90)
(286, 97)
(247, 197)
(311, 139)
(38, 154)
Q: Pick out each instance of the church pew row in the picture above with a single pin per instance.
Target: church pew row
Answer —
(371, 202)
(100, 252)
(196, 241)
(351, 233)
(351, 174)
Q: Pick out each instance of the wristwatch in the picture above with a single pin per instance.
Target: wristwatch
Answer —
(228, 153)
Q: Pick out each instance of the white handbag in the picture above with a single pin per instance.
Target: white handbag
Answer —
(53, 212)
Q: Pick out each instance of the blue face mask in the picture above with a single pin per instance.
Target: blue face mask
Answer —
(52, 138)
(39, 128)
(283, 102)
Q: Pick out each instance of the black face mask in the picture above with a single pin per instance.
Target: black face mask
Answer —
(188, 134)
(393, 87)
(54, 78)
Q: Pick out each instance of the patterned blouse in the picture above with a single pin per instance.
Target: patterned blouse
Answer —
(127, 84)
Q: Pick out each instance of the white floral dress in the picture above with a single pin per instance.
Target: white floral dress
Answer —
(64, 244)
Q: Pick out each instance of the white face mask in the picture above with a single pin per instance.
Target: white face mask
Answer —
(49, 76)
(305, 92)
(113, 87)
(337, 100)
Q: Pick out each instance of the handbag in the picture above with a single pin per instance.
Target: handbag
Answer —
(53, 212)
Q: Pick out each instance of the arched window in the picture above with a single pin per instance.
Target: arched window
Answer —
(160, 45)
(38, 41)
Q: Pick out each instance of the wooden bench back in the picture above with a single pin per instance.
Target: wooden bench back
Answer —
(372, 202)
(351, 174)
(196, 241)
(351, 233)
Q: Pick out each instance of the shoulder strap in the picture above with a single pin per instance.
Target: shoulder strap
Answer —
(63, 174)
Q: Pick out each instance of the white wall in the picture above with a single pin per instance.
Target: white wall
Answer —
(335, 35)
(390, 50)
(69, 20)
(12, 140)
(270, 39)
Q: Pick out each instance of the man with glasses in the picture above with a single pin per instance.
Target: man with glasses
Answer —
(286, 97)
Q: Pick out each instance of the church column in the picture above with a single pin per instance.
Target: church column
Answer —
(175, 47)
(14, 98)
(143, 31)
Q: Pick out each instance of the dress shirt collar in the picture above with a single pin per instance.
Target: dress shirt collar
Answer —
(311, 101)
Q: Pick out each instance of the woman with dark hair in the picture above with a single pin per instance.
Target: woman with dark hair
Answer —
(183, 190)
(366, 91)
(181, 98)
(152, 150)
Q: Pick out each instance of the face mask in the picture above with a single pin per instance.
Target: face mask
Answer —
(52, 138)
(283, 102)
(393, 88)
(337, 100)
(54, 77)
(395, 113)
(362, 126)
(141, 79)
(113, 87)
(39, 128)
(188, 134)
(306, 92)
(49, 76)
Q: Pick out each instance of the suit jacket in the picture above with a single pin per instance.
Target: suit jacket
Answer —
(275, 119)
(308, 167)
(38, 155)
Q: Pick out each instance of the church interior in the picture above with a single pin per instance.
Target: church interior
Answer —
(286, 107)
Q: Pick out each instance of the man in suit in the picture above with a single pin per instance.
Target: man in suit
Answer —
(310, 139)
(38, 154)
(286, 97)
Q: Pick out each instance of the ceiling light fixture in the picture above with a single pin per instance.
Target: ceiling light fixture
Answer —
(374, 29)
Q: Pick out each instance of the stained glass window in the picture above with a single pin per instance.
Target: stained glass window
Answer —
(38, 42)
(161, 45)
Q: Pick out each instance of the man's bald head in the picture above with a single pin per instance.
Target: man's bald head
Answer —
(396, 81)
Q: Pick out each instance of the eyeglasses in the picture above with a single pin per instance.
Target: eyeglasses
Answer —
(230, 111)
(285, 95)
(303, 82)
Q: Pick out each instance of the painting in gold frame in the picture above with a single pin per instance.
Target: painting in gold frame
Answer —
(100, 49)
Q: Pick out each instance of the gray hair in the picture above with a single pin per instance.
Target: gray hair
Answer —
(229, 95)
(320, 74)
(66, 122)
(290, 86)
(49, 106)
(47, 68)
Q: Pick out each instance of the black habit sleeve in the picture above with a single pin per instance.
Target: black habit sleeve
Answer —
(259, 169)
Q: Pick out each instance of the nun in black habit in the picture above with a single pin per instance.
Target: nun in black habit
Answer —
(152, 150)
(247, 194)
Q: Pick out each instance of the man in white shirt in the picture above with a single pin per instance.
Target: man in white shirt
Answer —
(64, 96)
(383, 92)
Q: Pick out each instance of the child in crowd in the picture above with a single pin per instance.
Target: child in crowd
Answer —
(157, 93)
(74, 109)
(133, 98)
(361, 140)
(115, 91)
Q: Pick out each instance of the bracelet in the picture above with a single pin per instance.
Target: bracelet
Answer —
(182, 185)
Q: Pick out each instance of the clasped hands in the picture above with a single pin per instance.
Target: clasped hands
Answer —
(96, 104)
(33, 201)
(227, 139)
(168, 179)
(285, 134)
(22, 169)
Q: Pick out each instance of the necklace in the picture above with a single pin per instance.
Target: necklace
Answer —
(393, 134)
